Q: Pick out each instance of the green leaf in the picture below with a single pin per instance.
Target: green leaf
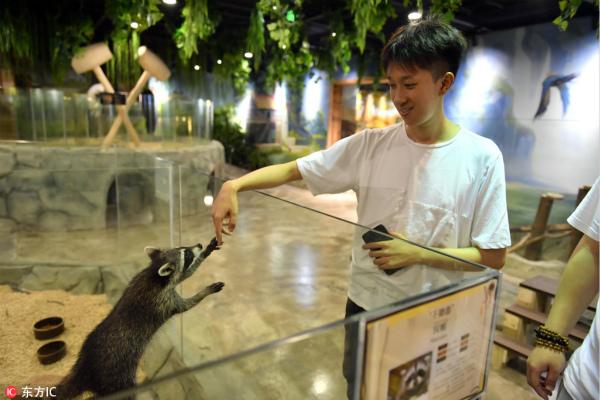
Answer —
(573, 12)
(255, 42)
(564, 25)
(562, 5)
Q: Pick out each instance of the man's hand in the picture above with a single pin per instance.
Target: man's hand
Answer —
(225, 211)
(393, 253)
(542, 360)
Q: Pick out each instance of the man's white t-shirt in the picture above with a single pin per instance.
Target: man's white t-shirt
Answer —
(446, 195)
(581, 375)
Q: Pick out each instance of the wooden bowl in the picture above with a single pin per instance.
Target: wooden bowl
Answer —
(48, 328)
(52, 352)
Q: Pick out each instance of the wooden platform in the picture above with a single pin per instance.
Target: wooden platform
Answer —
(578, 332)
(548, 286)
(523, 349)
(533, 303)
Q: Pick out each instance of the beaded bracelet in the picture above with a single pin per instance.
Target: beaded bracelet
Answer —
(547, 338)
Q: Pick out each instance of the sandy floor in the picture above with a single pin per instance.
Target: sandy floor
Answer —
(18, 345)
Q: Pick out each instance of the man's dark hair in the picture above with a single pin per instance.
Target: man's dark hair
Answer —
(430, 44)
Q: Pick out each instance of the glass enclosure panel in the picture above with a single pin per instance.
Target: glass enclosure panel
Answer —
(286, 269)
(282, 275)
(72, 118)
(308, 365)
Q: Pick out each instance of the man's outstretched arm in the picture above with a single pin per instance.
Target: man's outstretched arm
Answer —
(225, 206)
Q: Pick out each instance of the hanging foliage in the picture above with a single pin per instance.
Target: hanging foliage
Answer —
(256, 35)
(39, 50)
(123, 13)
(290, 66)
(370, 16)
(123, 70)
(38, 39)
(234, 67)
(337, 51)
(197, 25)
(15, 37)
(444, 8)
(290, 57)
(568, 9)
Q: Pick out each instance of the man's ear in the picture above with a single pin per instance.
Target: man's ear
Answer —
(166, 270)
(447, 82)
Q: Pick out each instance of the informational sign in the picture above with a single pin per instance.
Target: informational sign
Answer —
(436, 350)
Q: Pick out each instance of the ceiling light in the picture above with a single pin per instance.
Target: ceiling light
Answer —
(196, 67)
(248, 54)
(333, 34)
(219, 61)
(134, 25)
(170, 1)
(414, 16)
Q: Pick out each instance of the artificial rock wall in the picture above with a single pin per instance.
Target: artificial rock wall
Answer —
(69, 189)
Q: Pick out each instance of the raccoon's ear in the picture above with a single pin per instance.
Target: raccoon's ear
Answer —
(166, 270)
(151, 251)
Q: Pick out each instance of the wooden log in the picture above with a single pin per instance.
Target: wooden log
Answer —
(538, 228)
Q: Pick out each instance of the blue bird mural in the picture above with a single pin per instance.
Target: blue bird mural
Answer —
(558, 81)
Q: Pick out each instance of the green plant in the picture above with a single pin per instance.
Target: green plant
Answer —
(124, 12)
(370, 15)
(237, 150)
(39, 50)
(197, 25)
(568, 9)
(337, 51)
(444, 8)
(256, 35)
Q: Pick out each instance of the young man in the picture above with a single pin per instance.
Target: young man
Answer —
(577, 288)
(425, 179)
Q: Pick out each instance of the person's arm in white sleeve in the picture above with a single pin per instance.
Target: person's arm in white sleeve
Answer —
(577, 288)
(225, 207)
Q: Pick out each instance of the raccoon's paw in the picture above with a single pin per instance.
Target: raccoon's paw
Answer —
(216, 287)
(213, 245)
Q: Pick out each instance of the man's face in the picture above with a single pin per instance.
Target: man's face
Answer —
(415, 94)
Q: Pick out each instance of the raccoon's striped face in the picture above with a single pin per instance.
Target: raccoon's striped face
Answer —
(189, 254)
(175, 263)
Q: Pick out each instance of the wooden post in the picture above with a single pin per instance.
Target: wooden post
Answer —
(539, 224)
(575, 234)
(334, 128)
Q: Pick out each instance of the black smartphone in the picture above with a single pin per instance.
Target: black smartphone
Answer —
(374, 236)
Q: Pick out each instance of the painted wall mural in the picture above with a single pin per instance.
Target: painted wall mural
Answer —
(535, 92)
(559, 82)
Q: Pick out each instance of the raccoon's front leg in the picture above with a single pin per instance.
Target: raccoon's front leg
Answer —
(190, 302)
(213, 245)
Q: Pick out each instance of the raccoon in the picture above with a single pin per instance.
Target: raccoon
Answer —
(109, 357)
